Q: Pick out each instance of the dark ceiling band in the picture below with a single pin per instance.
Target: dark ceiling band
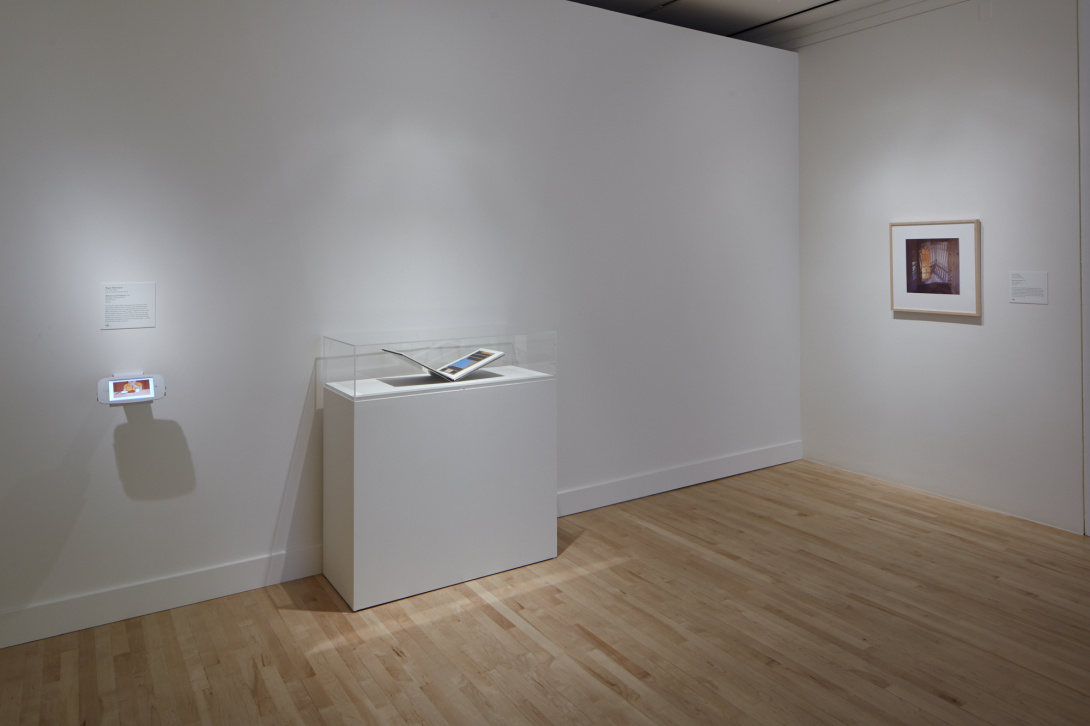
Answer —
(770, 22)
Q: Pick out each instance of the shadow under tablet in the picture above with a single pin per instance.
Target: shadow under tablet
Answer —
(153, 459)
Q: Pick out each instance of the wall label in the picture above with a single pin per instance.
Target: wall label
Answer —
(128, 305)
(1029, 287)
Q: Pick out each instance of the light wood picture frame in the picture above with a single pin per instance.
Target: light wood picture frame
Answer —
(934, 267)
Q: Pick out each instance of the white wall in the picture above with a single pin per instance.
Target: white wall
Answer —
(968, 112)
(285, 169)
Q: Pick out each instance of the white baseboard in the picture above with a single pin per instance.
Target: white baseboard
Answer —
(44, 620)
(663, 480)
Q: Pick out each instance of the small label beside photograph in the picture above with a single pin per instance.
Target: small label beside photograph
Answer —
(1029, 287)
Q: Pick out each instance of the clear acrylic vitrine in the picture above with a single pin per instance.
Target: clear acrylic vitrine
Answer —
(355, 365)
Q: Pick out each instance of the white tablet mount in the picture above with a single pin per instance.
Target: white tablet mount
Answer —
(131, 388)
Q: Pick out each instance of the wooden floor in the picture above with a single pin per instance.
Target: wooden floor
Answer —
(797, 594)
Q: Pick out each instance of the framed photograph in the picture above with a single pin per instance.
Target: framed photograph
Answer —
(935, 267)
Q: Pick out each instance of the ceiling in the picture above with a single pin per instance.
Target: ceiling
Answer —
(722, 17)
(781, 23)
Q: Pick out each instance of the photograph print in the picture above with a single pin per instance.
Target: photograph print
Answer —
(934, 267)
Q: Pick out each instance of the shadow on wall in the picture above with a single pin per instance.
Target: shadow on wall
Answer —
(38, 513)
(302, 488)
(153, 459)
(977, 320)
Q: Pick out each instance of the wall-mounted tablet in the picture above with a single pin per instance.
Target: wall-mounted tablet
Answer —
(131, 389)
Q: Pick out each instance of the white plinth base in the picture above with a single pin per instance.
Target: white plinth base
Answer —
(429, 486)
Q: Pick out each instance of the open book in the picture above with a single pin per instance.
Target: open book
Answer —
(459, 368)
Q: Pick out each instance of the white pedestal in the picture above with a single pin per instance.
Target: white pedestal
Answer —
(430, 485)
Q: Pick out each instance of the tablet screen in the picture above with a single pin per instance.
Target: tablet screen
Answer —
(132, 389)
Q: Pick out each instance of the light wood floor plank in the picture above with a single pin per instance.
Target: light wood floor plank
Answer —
(438, 617)
(798, 594)
(758, 644)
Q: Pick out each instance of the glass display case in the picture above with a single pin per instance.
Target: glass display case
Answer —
(355, 364)
(429, 482)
